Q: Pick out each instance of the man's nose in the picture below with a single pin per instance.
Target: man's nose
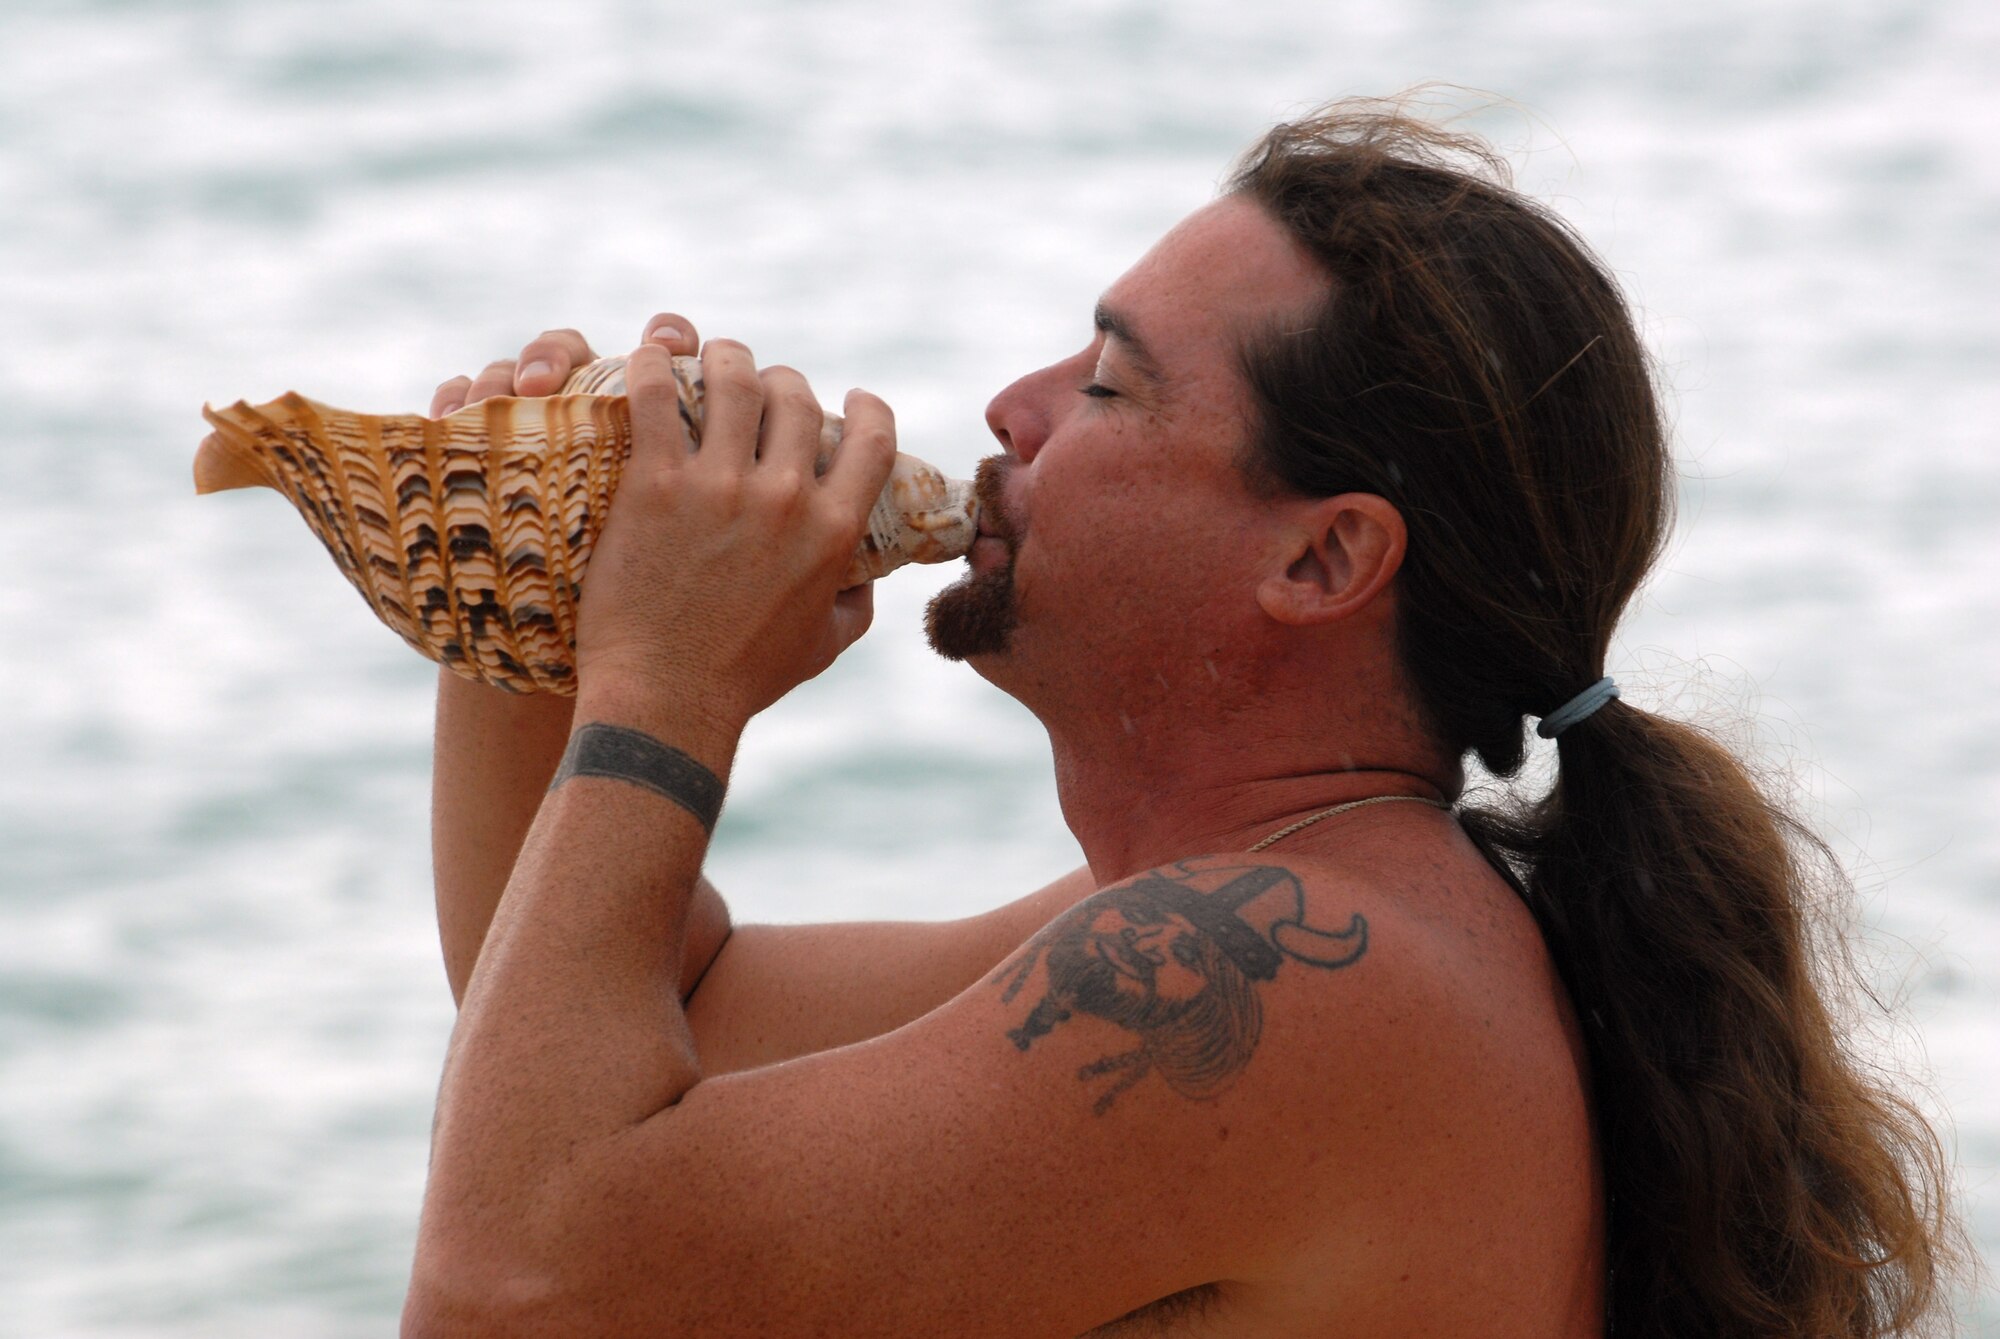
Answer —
(1019, 416)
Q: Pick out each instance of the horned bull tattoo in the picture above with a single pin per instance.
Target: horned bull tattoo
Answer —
(1174, 957)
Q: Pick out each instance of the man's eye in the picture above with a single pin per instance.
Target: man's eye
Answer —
(1099, 392)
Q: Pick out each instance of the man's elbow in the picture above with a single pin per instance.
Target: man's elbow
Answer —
(467, 1288)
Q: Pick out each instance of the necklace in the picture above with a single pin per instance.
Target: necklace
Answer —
(1311, 819)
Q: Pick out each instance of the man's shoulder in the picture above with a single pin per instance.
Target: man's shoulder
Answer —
(1316, 990)
(1365, 1048)
(1228, 969)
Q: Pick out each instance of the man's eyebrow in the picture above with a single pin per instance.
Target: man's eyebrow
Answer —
(1114, 324)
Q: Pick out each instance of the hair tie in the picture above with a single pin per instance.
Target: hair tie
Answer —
(1578, 707)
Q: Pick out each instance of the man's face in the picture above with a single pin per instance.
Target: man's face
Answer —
(1125, 532)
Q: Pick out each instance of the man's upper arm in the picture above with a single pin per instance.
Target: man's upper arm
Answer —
(1130, 1105)
(775, 992)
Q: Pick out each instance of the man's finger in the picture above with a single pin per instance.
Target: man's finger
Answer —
(853, 611)
(732, 405)
(792, 421)
(450, 396)
(673, 332)
(660, 441)
(547, 360)
(497, 379)
(867, 453)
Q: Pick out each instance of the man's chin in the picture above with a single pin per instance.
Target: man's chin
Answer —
(974, 616)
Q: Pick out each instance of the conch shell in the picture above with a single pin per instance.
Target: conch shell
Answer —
(469, 534)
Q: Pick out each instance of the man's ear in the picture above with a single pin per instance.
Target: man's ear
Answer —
(1338, 554)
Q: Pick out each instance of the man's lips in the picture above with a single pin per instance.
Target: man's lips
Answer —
(989, 551)
(993, 544)
(989, 486)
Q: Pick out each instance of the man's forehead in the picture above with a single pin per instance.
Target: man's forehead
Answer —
(1221, 272)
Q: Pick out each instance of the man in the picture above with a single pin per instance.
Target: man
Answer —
(1292, 1055)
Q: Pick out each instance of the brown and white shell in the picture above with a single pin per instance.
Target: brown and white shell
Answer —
(469, 534)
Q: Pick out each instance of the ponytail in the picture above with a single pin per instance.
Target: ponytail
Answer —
(1758, 1182)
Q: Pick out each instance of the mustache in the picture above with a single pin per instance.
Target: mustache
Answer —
(989, 483)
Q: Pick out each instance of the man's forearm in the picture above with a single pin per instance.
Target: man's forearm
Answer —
(494, 754)
(572, 1029)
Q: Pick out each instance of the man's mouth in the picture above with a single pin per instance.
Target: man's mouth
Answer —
(989, 486)
(989, 552)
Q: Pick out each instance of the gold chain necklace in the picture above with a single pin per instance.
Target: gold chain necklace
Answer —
(1311, 819)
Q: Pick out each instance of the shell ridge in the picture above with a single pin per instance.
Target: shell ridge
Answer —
(408, 521)
(441, 598)
(367, 471)
(504, 648)
(400, 608)
(519, 656)
(556, 558)
(515, 588)
(309, 465)
(471, 597)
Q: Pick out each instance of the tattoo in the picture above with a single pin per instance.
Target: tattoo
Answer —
(1172, 1314)
(622, 754)
(1175, 957)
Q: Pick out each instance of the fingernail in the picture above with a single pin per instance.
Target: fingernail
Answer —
(534, 369)
(666, 334)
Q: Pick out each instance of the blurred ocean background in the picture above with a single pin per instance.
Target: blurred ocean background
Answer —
(222, 1013)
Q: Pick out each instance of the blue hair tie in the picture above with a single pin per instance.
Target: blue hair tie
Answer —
(1578, 707)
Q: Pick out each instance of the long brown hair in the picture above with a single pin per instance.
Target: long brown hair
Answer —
(1474, 364)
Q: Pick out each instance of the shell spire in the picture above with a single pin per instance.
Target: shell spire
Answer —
(469, 534)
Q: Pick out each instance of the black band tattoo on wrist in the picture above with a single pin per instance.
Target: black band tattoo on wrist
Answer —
(622, 754)
(1176, 958)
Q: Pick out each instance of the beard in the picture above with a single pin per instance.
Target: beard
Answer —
(974, 616)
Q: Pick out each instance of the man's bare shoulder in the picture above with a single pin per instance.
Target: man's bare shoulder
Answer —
(1456, 1081)
(1455, 1008)
(1204, 965)
(1387, 1048)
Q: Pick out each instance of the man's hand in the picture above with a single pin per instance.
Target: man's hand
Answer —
(715, 584)
(547, 360)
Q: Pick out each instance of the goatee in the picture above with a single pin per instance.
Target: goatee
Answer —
(974, 616)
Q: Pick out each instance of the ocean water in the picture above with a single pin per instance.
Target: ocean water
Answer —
(221, 1010)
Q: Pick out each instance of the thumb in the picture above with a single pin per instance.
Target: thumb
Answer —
(853, 612)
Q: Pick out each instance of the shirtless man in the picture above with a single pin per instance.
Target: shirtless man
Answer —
(1276, 1062)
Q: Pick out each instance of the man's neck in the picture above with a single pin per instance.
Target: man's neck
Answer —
(1153, 791)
